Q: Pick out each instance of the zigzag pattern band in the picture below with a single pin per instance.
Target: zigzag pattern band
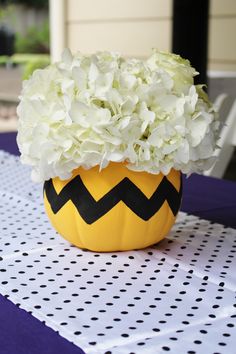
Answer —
(126, 191)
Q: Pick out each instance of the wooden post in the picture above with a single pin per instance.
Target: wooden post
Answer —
(57, 28)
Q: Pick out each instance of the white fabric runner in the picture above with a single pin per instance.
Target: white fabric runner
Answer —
(177, 297)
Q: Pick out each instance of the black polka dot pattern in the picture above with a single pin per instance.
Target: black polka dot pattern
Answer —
(177, 296)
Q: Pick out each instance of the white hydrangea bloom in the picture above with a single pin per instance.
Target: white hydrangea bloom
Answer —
(90, 110)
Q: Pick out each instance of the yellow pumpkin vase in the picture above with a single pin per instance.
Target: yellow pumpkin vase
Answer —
(114, 209)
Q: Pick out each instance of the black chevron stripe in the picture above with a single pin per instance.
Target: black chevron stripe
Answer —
(126, 191)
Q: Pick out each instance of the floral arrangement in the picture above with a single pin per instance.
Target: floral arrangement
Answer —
(91, 110)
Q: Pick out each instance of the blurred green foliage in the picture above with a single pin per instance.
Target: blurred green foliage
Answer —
(4, 12)
(31, 66)
(4, 59)
(35, 41)
(30, 3)
(32, 49)
(29, 62)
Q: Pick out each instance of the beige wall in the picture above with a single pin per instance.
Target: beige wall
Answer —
(132, 27)
(222, 35)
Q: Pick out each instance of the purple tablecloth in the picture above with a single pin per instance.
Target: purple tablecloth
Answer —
(210, 198)
(8, 143)
(21, 333)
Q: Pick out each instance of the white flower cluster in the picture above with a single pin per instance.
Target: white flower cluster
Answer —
(90, 110)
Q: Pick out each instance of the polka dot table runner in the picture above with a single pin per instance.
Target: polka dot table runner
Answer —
(177, 297)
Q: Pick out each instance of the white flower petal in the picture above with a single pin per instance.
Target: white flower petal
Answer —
(67, 57)
(89, 110)
(80, 78)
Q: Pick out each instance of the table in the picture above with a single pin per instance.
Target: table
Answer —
(206, 197)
